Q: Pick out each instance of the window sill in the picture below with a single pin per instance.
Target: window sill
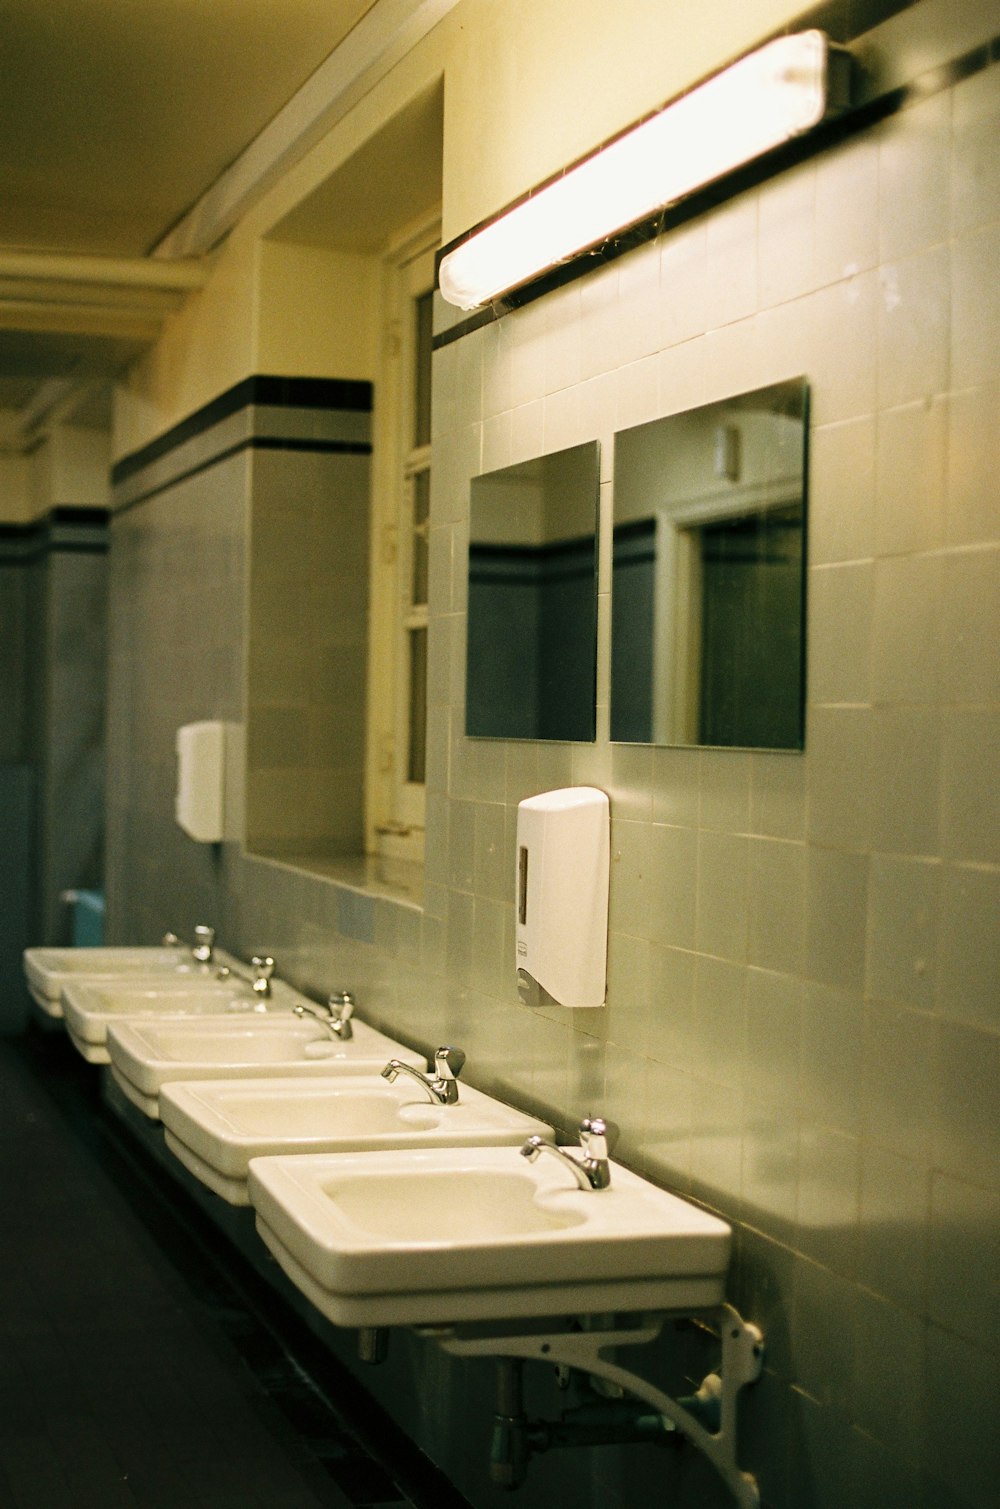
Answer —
(399, 880)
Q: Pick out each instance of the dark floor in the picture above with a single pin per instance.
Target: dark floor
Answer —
(138, 1369)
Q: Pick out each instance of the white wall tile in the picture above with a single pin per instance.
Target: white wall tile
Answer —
(599, 322)
(975, 169)
(903, 909)
(895, 1210)
(832, 1057)
(841, 794)
(836, 917)
(840, 633)
(910, 477)
(673, 865)
(638, 294)
(970, 626)
(847, 230)
(914, 177)
(563, 339)
(526, 431)
(776, 931)
(778, 795)
(905, 775)
(563, 421)
(975, 292)
(723, 900)
(843, 320)
(676, 778)
(527, 353)
(970, 794)
(974, 419)
(787, 237)
(724, 790)
(732, 249)
(913, 329)
(842, 491)
(497, 342)
(637, 392)
(969, 964)
(683, 377)
(967, 1090)
(496, 442)
(898, 1080)
(906, 645)
(962, 1260)
(828, 1198)
(685, 289)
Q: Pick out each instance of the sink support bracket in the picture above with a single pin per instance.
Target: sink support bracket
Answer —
(707, 1419)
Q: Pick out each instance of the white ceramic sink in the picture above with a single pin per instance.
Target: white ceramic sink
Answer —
(216, 1126)
(89, 1006)
(462, 1234)
(147, 1054)
(48, 969)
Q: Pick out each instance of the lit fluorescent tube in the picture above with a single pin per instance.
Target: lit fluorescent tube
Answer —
(771, 95)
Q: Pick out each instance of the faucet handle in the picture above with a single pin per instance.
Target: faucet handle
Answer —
(204, 943)
(340, 1004)
(170, 940)
(263, 968)
(597, 1137)
(449, 1062)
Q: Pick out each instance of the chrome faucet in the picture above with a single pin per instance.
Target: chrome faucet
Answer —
(443, 1089)
(592, 1171)
(203, 947)
(263, 968)
(336, 1017)
(259, 978)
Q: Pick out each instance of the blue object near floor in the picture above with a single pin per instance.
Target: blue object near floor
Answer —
(86, 917)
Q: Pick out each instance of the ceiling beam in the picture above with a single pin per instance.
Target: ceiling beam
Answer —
(383, 36)
(123, 297)
(111, 272)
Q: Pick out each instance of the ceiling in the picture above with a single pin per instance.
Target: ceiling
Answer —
(116, 116)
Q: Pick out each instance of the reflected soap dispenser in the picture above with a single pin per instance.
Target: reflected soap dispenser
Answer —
(561, 898)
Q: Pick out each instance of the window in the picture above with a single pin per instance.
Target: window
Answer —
(401, 522)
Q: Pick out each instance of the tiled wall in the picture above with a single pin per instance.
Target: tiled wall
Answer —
(802, 1022)
(53, 602)
(308, 645)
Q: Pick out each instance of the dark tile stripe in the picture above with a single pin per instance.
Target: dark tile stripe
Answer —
(334, 393)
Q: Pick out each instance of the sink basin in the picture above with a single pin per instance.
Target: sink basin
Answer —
(89, 1006)
(48, 969)
(432, 1236)
(147, 1054)
(216, 1126)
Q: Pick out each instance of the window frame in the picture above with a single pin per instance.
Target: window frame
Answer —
(395, 806)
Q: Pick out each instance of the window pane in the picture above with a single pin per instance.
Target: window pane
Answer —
(418, 705)
(421, 500)
(422, 374)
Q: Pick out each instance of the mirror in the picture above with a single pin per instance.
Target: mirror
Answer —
(531, 660)
(708, 582)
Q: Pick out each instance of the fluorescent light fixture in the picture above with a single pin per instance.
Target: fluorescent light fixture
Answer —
(764, 99)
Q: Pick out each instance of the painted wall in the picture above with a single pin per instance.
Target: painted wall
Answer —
(801, 1029)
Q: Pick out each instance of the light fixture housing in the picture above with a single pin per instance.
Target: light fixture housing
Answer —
(780, 91)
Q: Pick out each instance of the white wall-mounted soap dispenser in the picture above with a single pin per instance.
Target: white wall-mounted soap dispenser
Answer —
(561, 897)
(201, 768)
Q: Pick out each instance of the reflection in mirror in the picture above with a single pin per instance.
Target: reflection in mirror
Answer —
(707, 608)
(532, 626)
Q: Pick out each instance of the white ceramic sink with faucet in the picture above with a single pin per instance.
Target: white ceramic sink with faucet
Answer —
(147, 1054)
(442, 1235)
(48, 970)
(215, 1127)
(89, 1006)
